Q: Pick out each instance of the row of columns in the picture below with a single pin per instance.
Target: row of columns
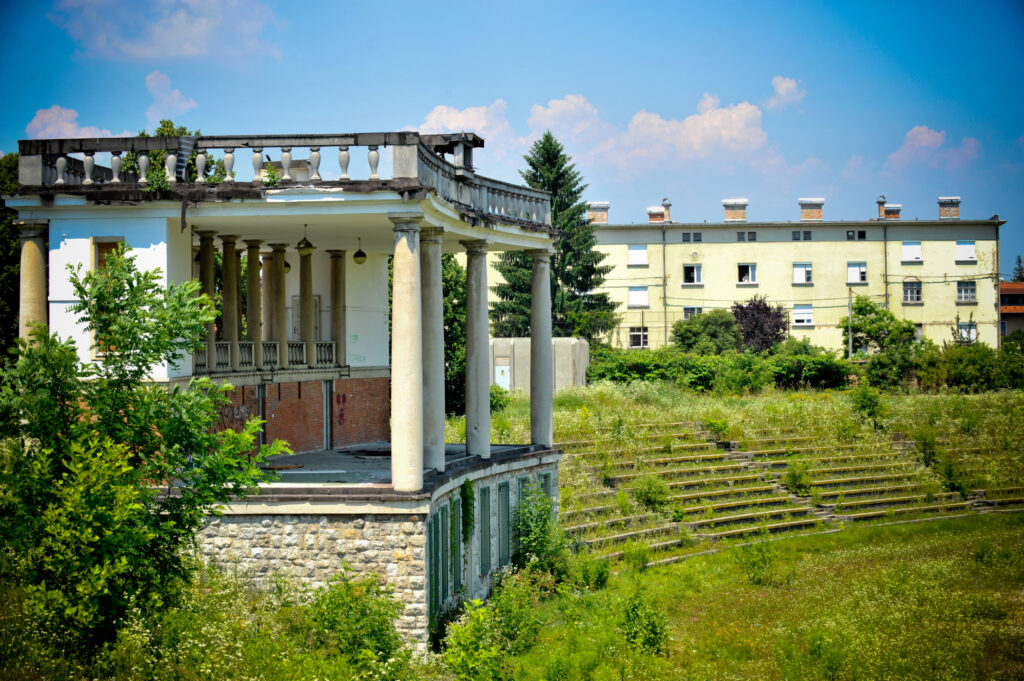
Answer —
(269, 298)
(417, 353)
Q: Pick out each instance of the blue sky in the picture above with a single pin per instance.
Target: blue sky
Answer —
(691, 101)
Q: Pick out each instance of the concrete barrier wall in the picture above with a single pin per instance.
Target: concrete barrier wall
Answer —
(510, 362)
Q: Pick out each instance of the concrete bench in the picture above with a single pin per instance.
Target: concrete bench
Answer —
(740, 503)
(754, 516)
(775, 527)
(902, 510)
(726, 492)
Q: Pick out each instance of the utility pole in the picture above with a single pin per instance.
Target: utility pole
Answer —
(849, 332)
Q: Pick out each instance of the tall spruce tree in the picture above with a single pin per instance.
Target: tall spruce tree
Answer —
(1018, 271)
(10, 257)
(576, 269)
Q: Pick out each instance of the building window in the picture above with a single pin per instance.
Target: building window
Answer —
(102, 251)
(297, 322)
(457, 545)
(686, 237)
(850, 235)
(796, 235)
(856, 272)
(860, 235)
(689, 312)
(965, 251)
(504, 525)
(741, 236)
(637, 296)
(485, 530)
(445, 545)
(751, 236)
(807, 235)
(803, 315)
(968, 331)
(918, 331)
(802, 273)
(638, 337)
(747, 273)
(637, 255)
(1002, 329)
(544, 480)
(691, 274)
(966, 292)
(698, 236)
(912, 251)
(912, 292)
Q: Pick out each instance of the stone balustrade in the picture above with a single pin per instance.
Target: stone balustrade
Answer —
(418, 161)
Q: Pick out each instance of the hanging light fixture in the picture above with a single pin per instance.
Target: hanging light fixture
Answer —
(359, 256)
(305, 244)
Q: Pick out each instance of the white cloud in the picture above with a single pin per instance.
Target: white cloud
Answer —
(58, 122)
(490, 122)
(123, 29)
(924, 146)
(167, 103)
(572, 118)
(855, 168)
(787, 91)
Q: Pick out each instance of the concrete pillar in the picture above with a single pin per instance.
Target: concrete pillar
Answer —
(253, 304)
(268, 296)
(478, 393)
(306, 327)
(32, 306)
(206, 285)
(541, 385)
(406, 360)
(338, 330)
(432, 299)
(240, 291)
(280, 314)
(229, 288)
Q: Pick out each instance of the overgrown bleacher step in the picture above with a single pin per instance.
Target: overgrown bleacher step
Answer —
(883, 512)
(674, 473)
(723, 493)
(643, 534)
(888, 502)
(868, 491)
(686, 445)
(653, 548)
(756, 516)
(998, 497)
(620, 521)
(845, 470)
(793, 453)
(717, 481)
(775, 441)
(749, 502)
(712, 455)
(895, 479)
(809, 521)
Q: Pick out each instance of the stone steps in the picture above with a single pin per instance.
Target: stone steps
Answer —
(726, 492)
(639, 534)
(772, 528)
(758, 516)
(881, 513)
(895, 479)
(886, 502)
(674, 473)
(610, 522)
(753, 502)
(865, 467)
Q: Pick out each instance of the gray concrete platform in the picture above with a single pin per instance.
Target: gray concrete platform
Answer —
(363, 464)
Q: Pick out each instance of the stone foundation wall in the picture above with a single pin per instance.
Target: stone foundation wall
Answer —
(311, 548)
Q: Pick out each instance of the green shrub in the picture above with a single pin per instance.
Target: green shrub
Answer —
(540, 542)
(643, 625)
(636, 555)
(867, 401)
(758, 561)
(651, 492)
(591, 572)
(797, 479)
(515, 603)
(468, 496)
(713, 331)
(473, 650)
(356, 615)
(500, 398)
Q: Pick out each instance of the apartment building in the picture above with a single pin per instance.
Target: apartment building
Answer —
(936, 272)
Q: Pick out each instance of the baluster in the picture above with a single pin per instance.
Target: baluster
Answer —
(115, 166)
(286, 164)
(171, 167)
(229, 164)
(90, 165)
(314, 164)
(257, 164)
(200, 167)
(62, 166)
(343, 159)
(143, 168)
(374, 157)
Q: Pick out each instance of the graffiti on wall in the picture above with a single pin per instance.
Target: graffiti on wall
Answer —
(341, 400)
(233, 417)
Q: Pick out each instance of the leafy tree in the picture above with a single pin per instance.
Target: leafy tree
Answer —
(708, 333)
(762, 325)
(10, 257)
(1018, 271)
(104, 476)
(576, 269)
(875, 328)
(155, 174)
(453, 281)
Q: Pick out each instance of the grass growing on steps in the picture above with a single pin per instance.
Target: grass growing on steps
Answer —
(933, 601)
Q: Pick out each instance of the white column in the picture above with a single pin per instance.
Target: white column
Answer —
(33, 304)
(406, 360)
(206, 284)
(253, 301)
(279, 332)
(541, 384)
(306, 325)
(478, 395)
(338, 306)
(229, 285)
(433, 349)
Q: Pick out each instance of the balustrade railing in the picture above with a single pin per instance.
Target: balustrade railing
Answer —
(296, 353)
(270, 354)
(199, 361)
(325, 354)
(223, 360)
(415, 157)
(245, 359)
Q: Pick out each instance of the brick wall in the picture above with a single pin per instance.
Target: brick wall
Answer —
(735, 212)
(360, 412)
(811, 213)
